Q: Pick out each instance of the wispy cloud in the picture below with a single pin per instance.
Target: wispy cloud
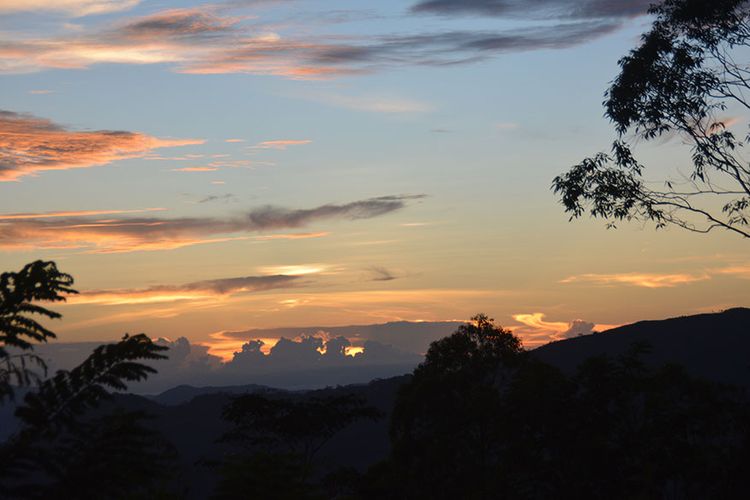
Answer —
(205, 40)
(195, 169)
(215, 197)
(75, 213)
(646, 280)
(737, 271)
(505, 126)
(127, 234)
(281, 143)
(74, 8)
(294, 270)
(381, 274)
(372, 104)
(292, 236)
(30, 145)
(198, 290)
(540, 9)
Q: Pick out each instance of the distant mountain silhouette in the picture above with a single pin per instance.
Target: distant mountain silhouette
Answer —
(185, 393)
(715, 346)
(303, 358)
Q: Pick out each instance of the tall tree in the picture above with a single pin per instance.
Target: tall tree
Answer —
(688, 78)
(447, 424)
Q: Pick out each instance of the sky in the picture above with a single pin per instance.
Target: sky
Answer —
(204, 168)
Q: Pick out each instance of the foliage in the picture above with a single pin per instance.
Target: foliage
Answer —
(60, 399)
(37, 281)
(617, 428)
(279, 438)
(114, 455)
(444, 425)
(63, 449)
(681, 80)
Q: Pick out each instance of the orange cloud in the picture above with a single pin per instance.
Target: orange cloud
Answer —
(224, 345)
(736, 271)
(31, 145)
(74, 213)
(127, 234)
(195, 169)
(294, 270)
(535, 330)
(281, 144)
(196, 291)
(646, 280)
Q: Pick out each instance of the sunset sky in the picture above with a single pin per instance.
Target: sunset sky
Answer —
(204, 167)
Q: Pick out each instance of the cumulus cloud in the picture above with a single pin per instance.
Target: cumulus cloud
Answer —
(573, 9)
(407, 336)
(535, 330)
(126, 234)
(29, 145)
(303, 362)
(202, 40)
(319, 351)
(198, 290)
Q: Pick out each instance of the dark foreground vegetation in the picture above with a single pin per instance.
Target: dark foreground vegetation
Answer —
(481, 417)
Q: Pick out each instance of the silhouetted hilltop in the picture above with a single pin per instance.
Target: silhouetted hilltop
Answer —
(715, 346)
(195, 426)
(185, 393)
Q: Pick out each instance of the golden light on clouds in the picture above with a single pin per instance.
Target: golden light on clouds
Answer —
(214, 289)
(131, 234)
(31, 145)
(224, 345)
(75, 213)
(294, 270)
(646, 280)
(535, 330)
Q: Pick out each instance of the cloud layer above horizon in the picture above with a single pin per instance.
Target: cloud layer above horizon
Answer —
(128, 234)
(209, 39)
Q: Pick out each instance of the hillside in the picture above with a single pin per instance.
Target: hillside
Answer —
(715, 346)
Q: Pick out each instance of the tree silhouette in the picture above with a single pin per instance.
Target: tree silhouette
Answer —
(445, 428)
(279, 438)
(481, 419)
(689, 71)
(37, 281)
(59, 432)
